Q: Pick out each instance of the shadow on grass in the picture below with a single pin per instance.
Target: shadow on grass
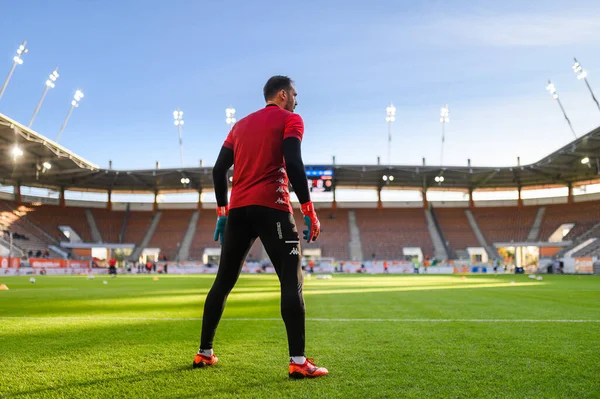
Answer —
(142, 376)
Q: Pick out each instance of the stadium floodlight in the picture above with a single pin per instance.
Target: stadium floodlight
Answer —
(391, 178)
(74, 104)
(552, 90)
(444, 118)
(185, 181)
(581, 74)
(390, 118)
(47, 166)
(16, 152)
(178, 121)
(50, 84)
(17, 60)
(439, 179)
(230, 117)
(585, 160)
(384, 178)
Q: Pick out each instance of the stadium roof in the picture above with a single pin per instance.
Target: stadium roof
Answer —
(69, 170)
(36, 149)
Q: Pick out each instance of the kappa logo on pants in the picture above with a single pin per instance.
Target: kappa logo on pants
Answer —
(279, 233)
(294, 251)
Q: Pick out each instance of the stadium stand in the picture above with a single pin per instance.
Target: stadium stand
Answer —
(50, 217)
(505, 224)
(204, 234)
(335, 233)
(169, 233)
(137, 226)
(385, 232)
(110, 224)
(333, 242)
(456, 229)
(26, 237)
(593, 249)
(256, 252)
(583, 214)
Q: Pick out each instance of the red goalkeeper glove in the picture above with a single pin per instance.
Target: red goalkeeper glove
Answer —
(312, 222)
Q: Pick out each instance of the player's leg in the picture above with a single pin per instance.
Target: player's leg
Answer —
(279, 235)
(237, 241)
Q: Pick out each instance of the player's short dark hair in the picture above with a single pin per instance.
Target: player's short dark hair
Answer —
(275, 84)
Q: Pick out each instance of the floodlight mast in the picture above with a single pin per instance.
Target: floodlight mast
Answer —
(230, 117)
(444, 118)
(582, 75)
(552, 90)
(50, 84)
(178, 121)
(17, 60)
(390, 119)
(74, 104)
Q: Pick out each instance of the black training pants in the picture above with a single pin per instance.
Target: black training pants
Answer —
(278, 233)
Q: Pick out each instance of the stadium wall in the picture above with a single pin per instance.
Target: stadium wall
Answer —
(86, 204)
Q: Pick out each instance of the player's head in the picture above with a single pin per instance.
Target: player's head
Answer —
(280, 90)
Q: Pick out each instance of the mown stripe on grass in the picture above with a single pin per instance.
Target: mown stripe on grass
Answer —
(109, 318)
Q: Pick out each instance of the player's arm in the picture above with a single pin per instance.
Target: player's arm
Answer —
(224, 162)
(292, 153)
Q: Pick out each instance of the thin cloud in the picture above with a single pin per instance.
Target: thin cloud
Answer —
(512, 30)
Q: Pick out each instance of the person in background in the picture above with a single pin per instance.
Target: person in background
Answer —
(112, 266)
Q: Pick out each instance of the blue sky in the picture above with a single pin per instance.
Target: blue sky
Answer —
(137, 61)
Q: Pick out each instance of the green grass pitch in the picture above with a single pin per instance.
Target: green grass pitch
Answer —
(381, 336)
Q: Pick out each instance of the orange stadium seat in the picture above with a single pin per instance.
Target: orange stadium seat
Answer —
(137, 225)
(335, 233)
(50, 217)
(456, 229)
(505, 224)
(385, 232)
(203, 238)
(32, 239)
(109, 223)
(583, 214)
(170, 231)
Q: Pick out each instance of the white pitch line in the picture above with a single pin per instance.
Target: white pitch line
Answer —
(308, 319)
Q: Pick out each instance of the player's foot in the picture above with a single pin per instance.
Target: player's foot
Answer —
(306, 370)
(202, 361)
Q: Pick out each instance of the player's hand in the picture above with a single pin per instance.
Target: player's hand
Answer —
(312, 222)
(222, 212)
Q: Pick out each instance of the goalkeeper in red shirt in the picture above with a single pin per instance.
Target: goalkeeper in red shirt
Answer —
(265, 148)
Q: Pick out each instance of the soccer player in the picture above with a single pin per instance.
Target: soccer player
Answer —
(265, 149)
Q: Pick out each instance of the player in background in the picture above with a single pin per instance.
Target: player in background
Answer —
(265, 148)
